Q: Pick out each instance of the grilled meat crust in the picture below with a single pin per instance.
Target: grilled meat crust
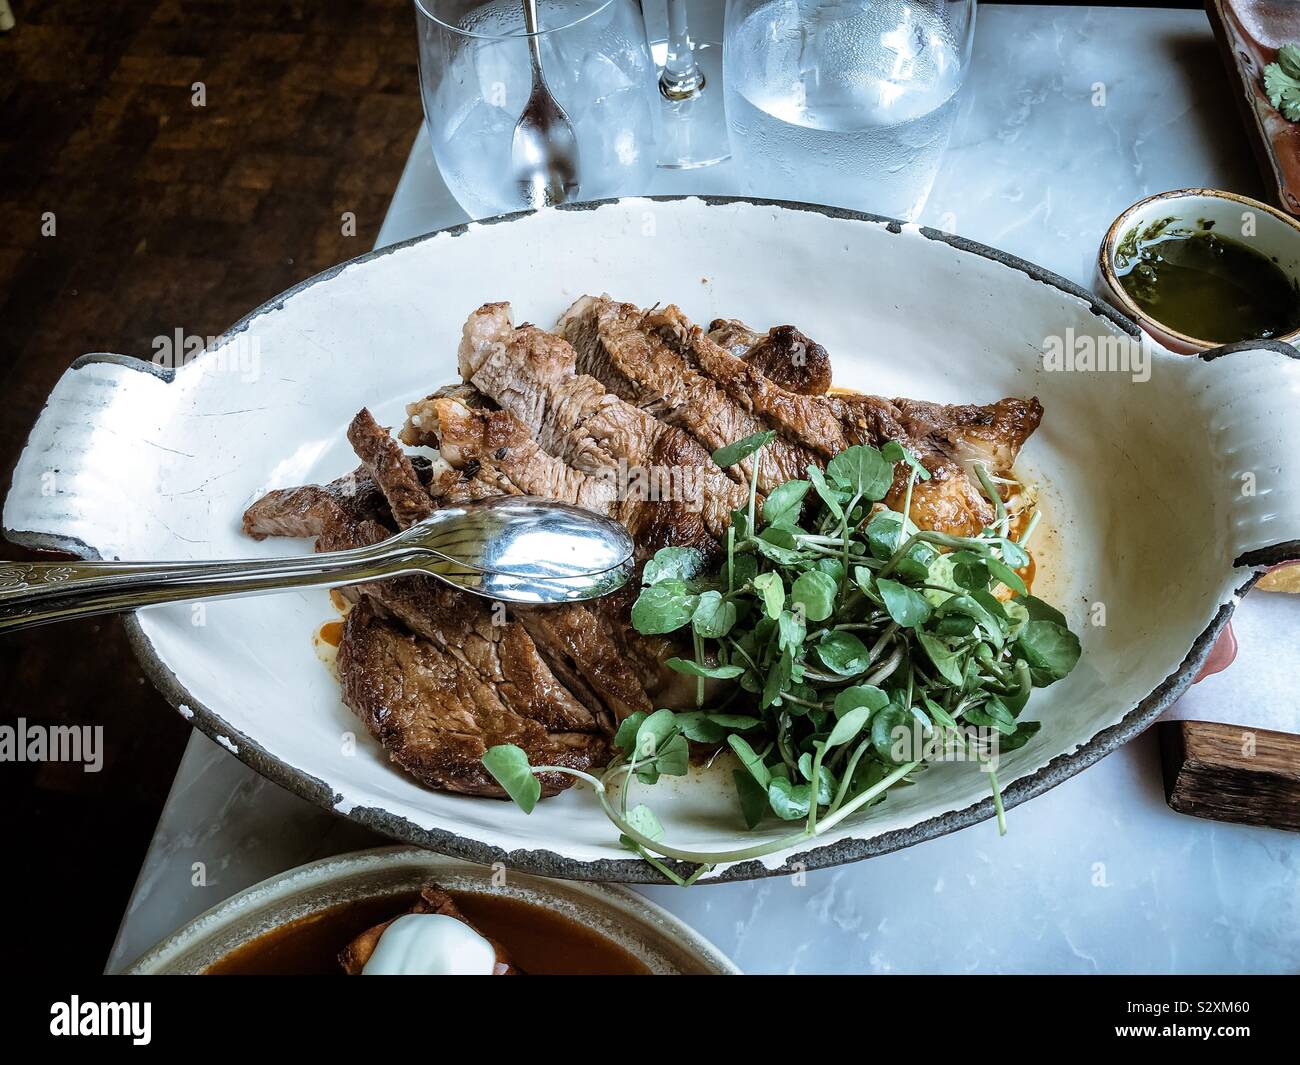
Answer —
(436, 713)
(783, 355)
(533, 375)
(618, 344)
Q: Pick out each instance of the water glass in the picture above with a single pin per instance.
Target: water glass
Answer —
(844, 102)
(475, 80)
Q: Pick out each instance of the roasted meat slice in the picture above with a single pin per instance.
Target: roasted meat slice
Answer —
(351, 507)
(594, 646)
(532, 374)
(616, 345)
(479, 439)
(812, 422)
(496, 440)
(946, 438)
(392, 470)
(451, 643)
(437, 712)
(783, 354)
(433, 899)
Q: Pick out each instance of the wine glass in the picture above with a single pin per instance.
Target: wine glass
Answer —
(476, 78)
(693, 121)
(845, 102)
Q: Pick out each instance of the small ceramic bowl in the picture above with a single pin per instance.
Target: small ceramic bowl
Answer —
(652, 935)
(1265, 228)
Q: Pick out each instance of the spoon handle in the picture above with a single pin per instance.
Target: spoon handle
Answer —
(38, 593)
(534, 42)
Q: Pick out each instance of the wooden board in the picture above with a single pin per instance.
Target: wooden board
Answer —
(1249, 33)
(1231, 773)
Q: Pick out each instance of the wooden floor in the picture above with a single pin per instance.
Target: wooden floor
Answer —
(163, 165)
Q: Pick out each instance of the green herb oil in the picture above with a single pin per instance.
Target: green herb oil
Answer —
(1207, 286)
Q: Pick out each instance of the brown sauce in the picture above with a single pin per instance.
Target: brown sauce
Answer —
(539, 941)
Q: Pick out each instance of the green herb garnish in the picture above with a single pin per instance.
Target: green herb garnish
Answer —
(842, 633)
(1282, 82)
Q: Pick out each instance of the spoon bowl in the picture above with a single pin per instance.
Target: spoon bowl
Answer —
(544, 147)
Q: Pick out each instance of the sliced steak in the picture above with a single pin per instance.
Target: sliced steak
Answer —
(812, 422)
(591, 648)
(485, 440)
(433, 899)
(391, 468)
(946, 438)
(471, 631)
(783, 354)
(616, 344)
(462, 636)
(498, 441)
(352, 500)
(594, 685)
(532, 374)
(437, 713)
(596, 659)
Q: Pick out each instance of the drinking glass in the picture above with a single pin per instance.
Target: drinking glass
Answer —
(475, 79)
(844, 102)
(693, 119)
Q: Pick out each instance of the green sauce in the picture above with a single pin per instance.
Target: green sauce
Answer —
(1206, 286)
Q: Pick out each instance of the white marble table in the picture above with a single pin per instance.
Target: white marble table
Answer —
(1097, 875)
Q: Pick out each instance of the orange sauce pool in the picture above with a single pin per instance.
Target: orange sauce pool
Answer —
(540, 942)
(331, 633)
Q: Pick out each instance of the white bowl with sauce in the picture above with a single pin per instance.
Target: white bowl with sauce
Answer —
(1263, 229)
(296, 922)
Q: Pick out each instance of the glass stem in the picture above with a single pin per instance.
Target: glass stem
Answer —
(681, 78)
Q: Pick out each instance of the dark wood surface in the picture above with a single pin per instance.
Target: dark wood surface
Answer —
(167, 215)
(1232, 773)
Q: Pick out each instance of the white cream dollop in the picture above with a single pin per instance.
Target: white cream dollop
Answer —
(430, 944)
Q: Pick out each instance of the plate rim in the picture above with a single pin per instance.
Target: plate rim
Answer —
(544, 862)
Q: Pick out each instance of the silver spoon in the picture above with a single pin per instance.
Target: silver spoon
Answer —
(544, 149)
(513, 548)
